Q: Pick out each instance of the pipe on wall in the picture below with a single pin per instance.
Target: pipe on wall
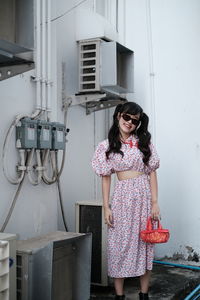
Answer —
(43, 62)
(151, 68)
(38, 55)
(48, 104)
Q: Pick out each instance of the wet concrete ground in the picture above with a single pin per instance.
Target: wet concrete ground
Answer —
(167, 283)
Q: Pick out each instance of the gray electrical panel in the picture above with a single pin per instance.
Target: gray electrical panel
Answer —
(58, 136)
(40, 134)
(44, 136)
(26, 134)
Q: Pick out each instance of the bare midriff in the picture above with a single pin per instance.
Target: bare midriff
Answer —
(128, 174)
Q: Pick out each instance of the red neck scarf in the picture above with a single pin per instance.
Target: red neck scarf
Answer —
(131, 143)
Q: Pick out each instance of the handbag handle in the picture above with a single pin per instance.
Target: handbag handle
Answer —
(149, 224)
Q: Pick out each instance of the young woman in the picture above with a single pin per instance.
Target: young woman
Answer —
(129, 153)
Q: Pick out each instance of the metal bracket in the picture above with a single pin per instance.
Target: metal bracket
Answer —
(93, 102)
(82, 99)
(10, 71)
(102, 104)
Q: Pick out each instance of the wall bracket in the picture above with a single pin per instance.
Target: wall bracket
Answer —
(93, 102)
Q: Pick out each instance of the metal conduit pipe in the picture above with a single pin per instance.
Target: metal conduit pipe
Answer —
(29, 168)
(197, 297)
(37, 55)
(48, 105)
(45, 177)
(151, 68)
(38, 168)
(193, 292)
(185, 267)
(43, 55)
(12, 204)
(176, 265)
(59, 172)
(11, 179)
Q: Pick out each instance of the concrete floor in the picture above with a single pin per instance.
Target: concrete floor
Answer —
(167, 283)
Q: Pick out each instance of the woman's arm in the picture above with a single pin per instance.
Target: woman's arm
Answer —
(155, 212)
(106, 182)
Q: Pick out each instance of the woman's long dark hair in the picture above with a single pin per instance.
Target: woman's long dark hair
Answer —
(142, 132)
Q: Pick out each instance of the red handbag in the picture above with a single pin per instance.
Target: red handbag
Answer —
(158, 235)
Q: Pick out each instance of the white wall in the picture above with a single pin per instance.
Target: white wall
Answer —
(78, 182)
(36, 208)
(35, 211)
(171, 98)
(165, 38)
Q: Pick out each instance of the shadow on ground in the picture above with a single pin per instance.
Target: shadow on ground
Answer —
(167, 283)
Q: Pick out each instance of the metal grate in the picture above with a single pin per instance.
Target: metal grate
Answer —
(89, 66)
(4, 270)
(90, 220)
(19, 277)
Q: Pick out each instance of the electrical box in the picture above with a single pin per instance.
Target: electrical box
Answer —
(11, 239)
(89, 218)
(44, 136)
(105, 66)
(26, 134)
(58, 136)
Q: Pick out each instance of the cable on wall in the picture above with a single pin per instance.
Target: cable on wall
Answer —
(43, 84)
(65, 13)
(9, 133)
(61, 198)
(13, 204)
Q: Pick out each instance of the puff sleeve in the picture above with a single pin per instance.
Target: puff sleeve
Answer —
(100, 164)
(154, 161)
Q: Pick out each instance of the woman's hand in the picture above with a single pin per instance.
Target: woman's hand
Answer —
(155, 211)
(108, 217)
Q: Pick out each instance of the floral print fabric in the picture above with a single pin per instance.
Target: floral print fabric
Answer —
(128, 255)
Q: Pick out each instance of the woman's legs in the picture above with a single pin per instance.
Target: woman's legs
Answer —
(119, 286)
(144, 282)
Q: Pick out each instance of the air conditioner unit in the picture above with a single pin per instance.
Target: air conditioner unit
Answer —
(105, 66)
(11, 239)
(89, 218)
(55, 266)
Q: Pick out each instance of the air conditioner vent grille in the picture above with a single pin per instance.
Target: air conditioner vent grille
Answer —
(90, 221)
(88, 47)
(89, 70)
(89, 54)
(19, 277)
(89, 64)
(88, 78)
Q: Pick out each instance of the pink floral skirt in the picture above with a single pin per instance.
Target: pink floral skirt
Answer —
(128, 255)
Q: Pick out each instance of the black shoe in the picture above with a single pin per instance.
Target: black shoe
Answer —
(119, 297)
(143, 296)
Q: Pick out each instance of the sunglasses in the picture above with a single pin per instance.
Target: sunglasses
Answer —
(128, 118)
